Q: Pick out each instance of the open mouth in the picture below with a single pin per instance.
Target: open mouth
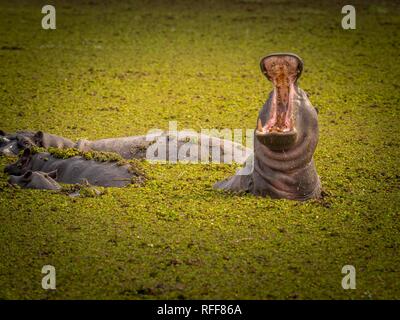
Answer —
(279, 128)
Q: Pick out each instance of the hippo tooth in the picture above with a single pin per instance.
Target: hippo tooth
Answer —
(260, 127)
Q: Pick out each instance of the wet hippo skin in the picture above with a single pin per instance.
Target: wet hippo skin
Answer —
(134, 147)
(72, 170)
(285, 139)
(11, 144)
(36, 180)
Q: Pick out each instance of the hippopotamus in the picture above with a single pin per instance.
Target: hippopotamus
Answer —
(11, 144)
(185, 146)
(162, 146)
(36, 180)
(73, 170)
(46, 140)
(285, 138)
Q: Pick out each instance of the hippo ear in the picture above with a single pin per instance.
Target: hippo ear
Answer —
(25, 156)
(53, 174)
(38, 138)
(27, 175)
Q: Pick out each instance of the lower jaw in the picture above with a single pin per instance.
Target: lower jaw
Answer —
(277, 141)
(278, 135)
(279, 132)
(283, 124)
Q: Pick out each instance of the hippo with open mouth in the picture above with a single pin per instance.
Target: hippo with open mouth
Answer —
(285, 138)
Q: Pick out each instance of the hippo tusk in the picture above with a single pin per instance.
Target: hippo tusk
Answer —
(260, 128)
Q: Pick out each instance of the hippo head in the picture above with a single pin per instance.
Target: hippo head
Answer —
(21, 165)
(42, 139)
(36, 180)
(278, 128)
(38, 139)
(8, 144)
(12, 144)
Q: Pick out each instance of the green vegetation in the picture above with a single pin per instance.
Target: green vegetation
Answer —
(119, 69)
(134, 165)
(100, 156)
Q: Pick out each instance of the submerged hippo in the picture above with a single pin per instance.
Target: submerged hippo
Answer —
(73, 170)
(46, 140)
(11, 144)
(36, 180)
(285, 138)
(185, 146)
